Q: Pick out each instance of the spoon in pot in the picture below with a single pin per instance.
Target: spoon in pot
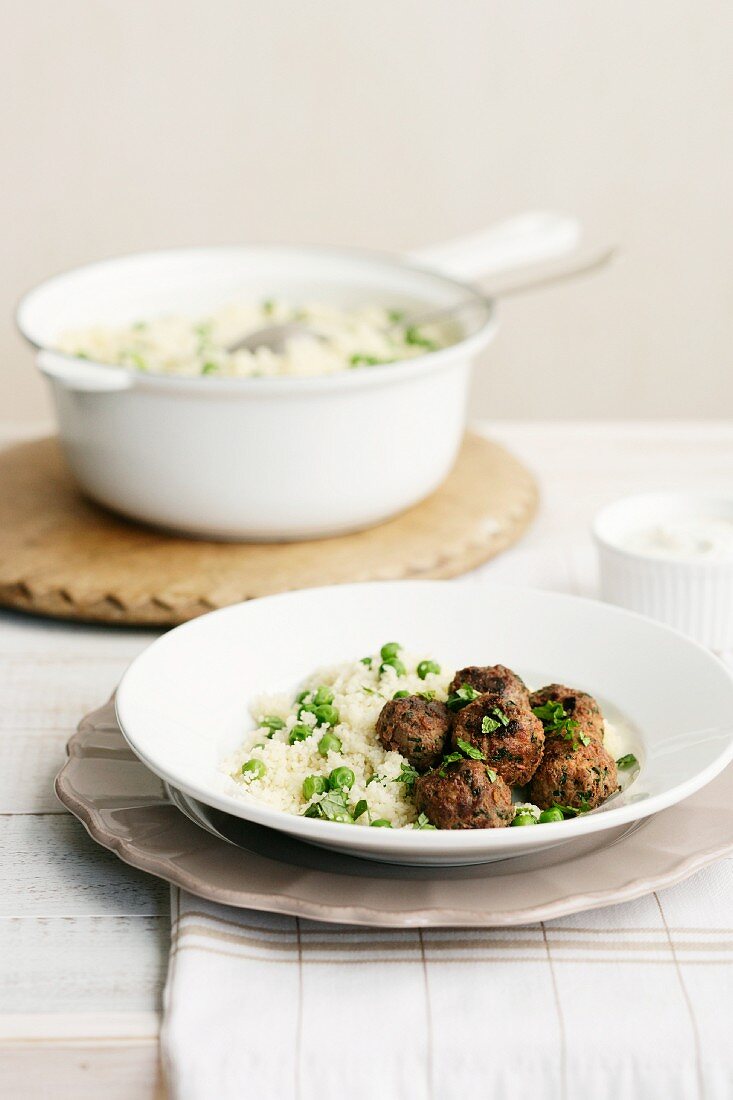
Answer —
(276, 337)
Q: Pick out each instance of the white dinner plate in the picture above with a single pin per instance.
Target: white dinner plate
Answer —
(183, 705)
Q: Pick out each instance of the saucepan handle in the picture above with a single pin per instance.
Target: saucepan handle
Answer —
(525, 240)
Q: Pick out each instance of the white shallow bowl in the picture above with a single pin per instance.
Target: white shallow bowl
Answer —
(694, 596)
(183, 704)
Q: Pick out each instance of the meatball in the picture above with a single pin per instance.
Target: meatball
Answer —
(578, 705)
(573, 774)
(463, 796)
(490, 678)
(507, 733)
(415, 727)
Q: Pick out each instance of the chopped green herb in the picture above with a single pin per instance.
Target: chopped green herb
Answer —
(415, 338)
(367, 661)
(376, 778)
(423, 822)
(407, 775)
(268, 307)
(460, 698)
(469, 750)
(451, 758)
(360, 360)
(558, 723)
(381, 823)
(360, 808)
(425, 668)
(401, 695)
(371, 691)
(210, 368)
(626, 762)
(493, 720)
(491, 775)
(332, 807)
(428, 696)
(395, 316)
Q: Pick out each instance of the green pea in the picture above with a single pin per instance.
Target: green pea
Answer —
(553, 814)
(301, 696)
(314, 784)
(325, 714)
(299, 733)
(340, 778)
(381, 823)
(322, 696)
(329, 743)
(271, 722)
(255, 768)
(401, 695)
(426, 667)
(524, 819)
(389, 649)
(395, 663)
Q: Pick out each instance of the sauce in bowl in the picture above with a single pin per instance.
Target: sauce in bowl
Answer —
(684, 538)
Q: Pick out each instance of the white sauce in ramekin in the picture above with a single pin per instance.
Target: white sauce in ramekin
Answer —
(686, 538)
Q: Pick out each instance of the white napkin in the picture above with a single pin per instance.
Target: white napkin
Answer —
(630, 1001)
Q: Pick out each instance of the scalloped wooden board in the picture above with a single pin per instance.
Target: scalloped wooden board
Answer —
(64, 556)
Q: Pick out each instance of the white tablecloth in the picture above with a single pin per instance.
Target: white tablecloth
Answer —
(615, 1002)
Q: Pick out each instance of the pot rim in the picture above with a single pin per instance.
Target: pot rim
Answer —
(397, 371)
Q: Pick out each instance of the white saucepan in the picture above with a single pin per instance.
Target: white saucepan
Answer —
(273, 458)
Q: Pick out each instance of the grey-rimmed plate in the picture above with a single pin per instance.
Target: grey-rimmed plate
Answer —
(127, 809)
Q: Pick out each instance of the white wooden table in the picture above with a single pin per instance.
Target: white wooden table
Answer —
(83, 938)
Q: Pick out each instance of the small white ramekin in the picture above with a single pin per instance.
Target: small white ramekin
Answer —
(693, 596)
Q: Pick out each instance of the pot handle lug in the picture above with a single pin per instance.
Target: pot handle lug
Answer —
(518, 242)
(78, 376)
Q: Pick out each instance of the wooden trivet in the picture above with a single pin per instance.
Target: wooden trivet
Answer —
(61, 555)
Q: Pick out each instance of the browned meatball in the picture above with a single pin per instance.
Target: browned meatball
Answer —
(463, 796)
(506, 732)
(415, 727)
(490, 678)
(573, 774)
(578, 705)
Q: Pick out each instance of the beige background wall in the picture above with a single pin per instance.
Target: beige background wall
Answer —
(127, 125)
